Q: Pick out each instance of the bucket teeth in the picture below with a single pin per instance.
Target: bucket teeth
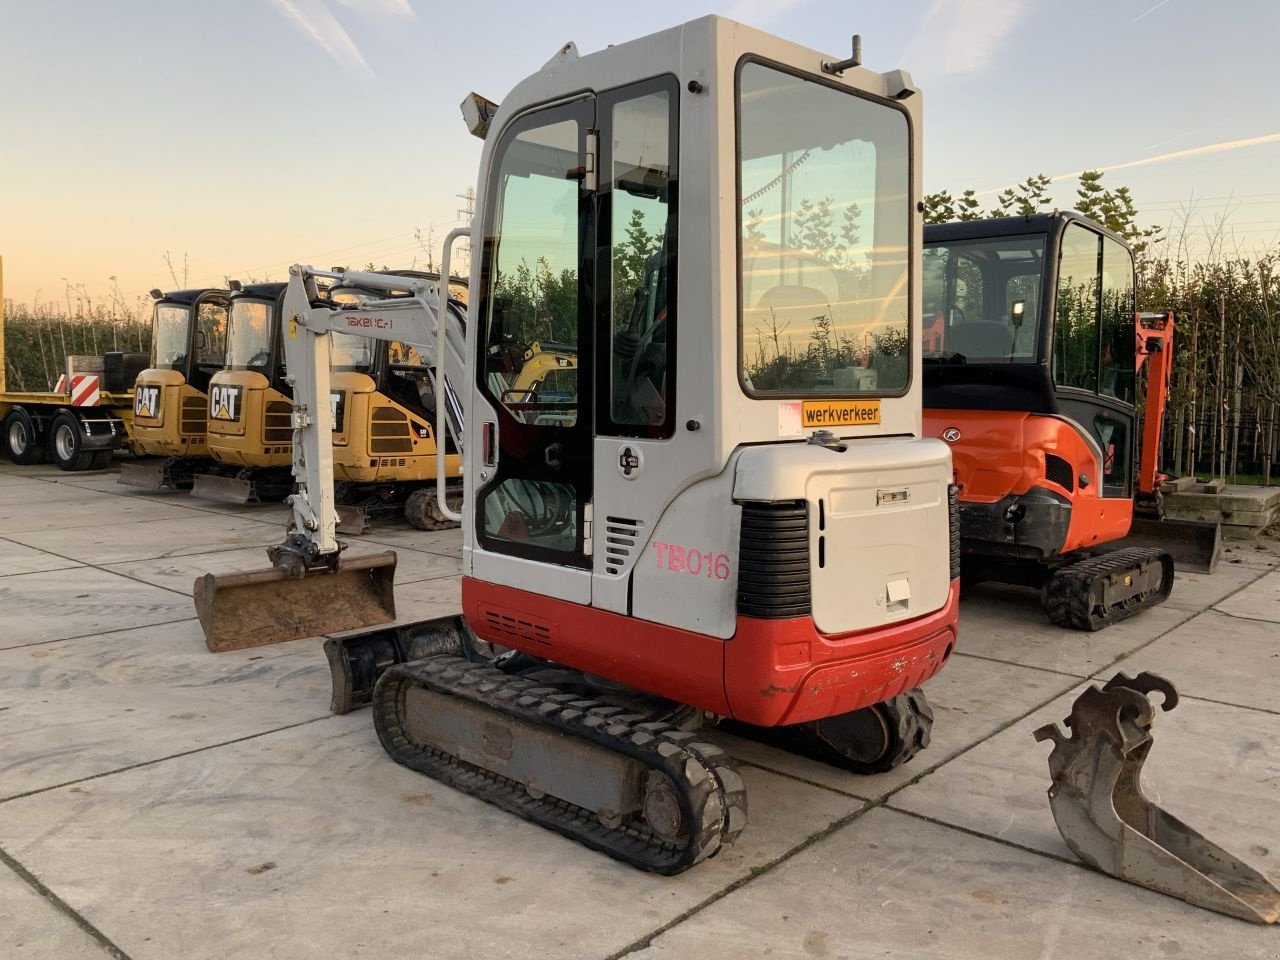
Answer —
(1108, 822)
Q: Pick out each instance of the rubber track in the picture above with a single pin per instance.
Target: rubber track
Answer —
(712, 793)
(911, 718)
(1069, 592)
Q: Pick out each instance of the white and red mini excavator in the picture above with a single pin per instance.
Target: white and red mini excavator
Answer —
(725, 508)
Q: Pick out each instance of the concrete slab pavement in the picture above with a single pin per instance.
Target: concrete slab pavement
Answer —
(59, 604)
(17, 558)
(1216, 767)
(971, 700)
(33, 929)
(191, 533)
(81, 708)
(892, 885)
(1245, 654)
(309, 843)
(1007, 624)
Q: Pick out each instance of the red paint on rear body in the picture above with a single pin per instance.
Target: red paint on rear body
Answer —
(770, 672)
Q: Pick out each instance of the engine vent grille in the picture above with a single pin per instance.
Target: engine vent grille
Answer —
(1057, 470)
(620, 538)
(389, 432)
(773, 562)
(510, 625)
(193, 417)
(278, 422)
(953, 512)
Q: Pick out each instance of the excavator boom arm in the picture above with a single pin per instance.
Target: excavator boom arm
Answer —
(411, 319)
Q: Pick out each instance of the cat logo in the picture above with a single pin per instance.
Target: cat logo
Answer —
(337, 410)
(146, 402)
(224, 402)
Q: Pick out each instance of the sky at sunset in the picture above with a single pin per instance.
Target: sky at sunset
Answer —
(245, 135)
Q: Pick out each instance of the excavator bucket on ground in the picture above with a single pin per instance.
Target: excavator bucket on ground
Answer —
(1195, 545)
(1106, 820)
(239, 610)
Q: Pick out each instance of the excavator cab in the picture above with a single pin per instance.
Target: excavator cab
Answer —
(250, 433)
(188, 336)
(1030, 363)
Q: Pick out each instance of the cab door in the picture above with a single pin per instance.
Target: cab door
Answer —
(533, 443)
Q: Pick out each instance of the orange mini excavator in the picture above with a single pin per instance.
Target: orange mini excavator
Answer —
(1031, 349)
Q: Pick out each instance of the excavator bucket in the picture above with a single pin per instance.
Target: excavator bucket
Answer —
(1102, 814)
(1195, 545)
(238, 610)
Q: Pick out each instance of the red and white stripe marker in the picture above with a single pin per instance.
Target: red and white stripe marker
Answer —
(84, 390)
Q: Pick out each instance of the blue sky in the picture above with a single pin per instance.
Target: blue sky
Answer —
(249, 134)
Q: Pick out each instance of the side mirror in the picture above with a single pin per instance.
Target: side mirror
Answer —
(1016, 312)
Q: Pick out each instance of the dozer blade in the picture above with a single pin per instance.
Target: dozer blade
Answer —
(357, 660)
(1105, 819)
(622, 783)
(352, 520)
(1195, 545)
(146, 474)
(240, 610)
(225, 489)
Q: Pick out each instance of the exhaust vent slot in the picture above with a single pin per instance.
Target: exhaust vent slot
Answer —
(1057, 470)
(620, 538)
(773, 562)
(510, 625)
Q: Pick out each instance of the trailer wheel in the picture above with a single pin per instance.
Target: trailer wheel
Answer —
(20, 438)
(66, 443)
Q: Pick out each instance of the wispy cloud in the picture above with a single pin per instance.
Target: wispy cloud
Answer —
(1200, 151)
(316, 20)
(758, 13)
(960, 36)
(1149, 11)
(397, 9)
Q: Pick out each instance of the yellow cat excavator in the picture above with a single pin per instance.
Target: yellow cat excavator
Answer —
(382, 406)
(250, 431)
(171, 397)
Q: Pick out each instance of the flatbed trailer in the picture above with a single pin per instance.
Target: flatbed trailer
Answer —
(76, 428)
(81, 422)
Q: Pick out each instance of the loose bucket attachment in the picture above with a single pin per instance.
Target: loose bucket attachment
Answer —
(357, 660)
(1102, 814)
(239, 610)
(1195, 545)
